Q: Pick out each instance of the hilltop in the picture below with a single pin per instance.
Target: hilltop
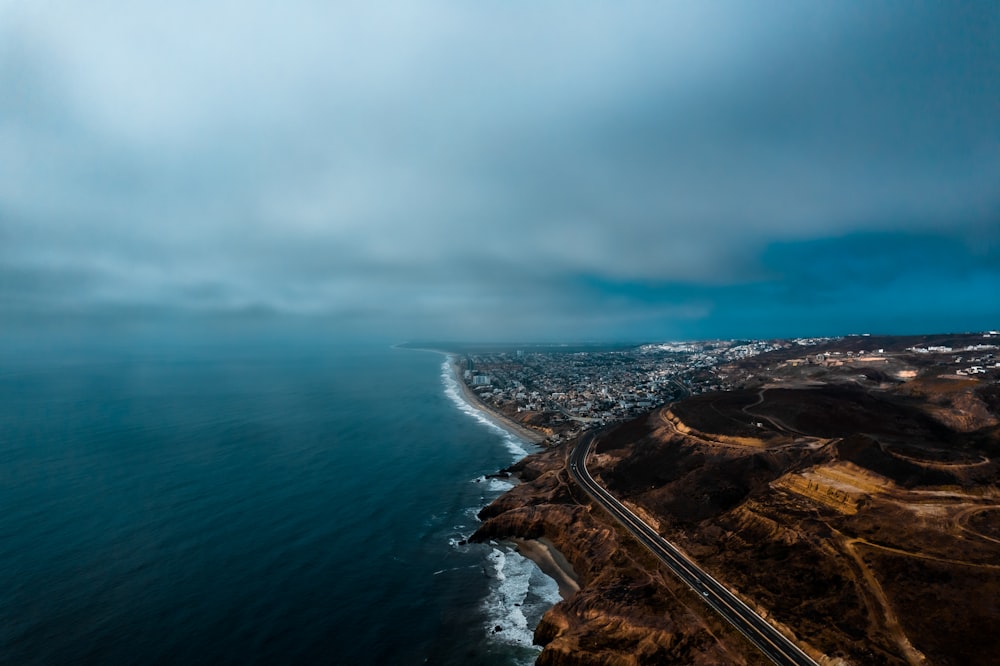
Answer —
(850, 493)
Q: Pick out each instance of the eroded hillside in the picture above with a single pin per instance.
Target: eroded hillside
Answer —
(863, 518)
(854, 502)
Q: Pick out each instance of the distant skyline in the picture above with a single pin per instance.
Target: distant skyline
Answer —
(501, 171)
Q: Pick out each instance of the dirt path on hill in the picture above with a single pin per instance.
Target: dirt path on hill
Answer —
(919, 556)
(875, 592)
(963, 515)
(778, 424)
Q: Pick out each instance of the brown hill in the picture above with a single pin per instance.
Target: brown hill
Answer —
(849, 495)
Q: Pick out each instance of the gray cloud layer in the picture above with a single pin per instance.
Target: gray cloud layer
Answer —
(498, 169)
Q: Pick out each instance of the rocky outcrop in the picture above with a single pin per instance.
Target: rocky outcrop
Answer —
(862, 525)
(853, 535)
(628, 611)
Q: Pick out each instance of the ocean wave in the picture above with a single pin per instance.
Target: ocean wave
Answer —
(458, 540)
(504, 605)
(493, 484)
(519, 597)
(499, 485)
(519, 592)
(454, 393)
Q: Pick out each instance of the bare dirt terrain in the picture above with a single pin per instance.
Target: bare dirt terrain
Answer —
(850, 496)
(866, 518)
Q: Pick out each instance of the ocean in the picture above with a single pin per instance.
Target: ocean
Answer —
(267, 505)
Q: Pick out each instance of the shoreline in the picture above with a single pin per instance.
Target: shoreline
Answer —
(468, 395)
(505, 422)
(541, 551)
(553, 564)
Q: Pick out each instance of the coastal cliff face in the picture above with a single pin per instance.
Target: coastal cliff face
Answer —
(628, 611)
(865, 522)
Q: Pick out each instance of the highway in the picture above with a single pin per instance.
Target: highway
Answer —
(758, 631)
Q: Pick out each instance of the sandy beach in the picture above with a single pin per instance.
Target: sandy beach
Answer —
(540, 551)
(504, 422)
(508, 424)
(552, 563)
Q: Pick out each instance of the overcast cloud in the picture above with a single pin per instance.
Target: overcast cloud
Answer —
(504, 170)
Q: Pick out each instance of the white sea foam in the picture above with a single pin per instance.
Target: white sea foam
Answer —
(494, 484)
(504, 605)
(454, 393)
(441, 571)
(499, 485)
(520, 594)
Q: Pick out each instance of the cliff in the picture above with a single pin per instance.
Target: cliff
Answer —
(860, 524)
(860, 520)
(628, 611)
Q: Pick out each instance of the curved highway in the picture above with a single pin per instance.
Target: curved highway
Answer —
(771, 642)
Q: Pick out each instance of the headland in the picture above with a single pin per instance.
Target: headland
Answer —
(846, 489)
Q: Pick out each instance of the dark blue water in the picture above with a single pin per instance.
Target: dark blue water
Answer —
(254, 507)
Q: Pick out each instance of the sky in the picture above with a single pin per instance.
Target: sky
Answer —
(501, 170)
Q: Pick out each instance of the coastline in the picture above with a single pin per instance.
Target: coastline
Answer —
(508, 424)
(468, 395)
(541, 551)
(553, 564)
